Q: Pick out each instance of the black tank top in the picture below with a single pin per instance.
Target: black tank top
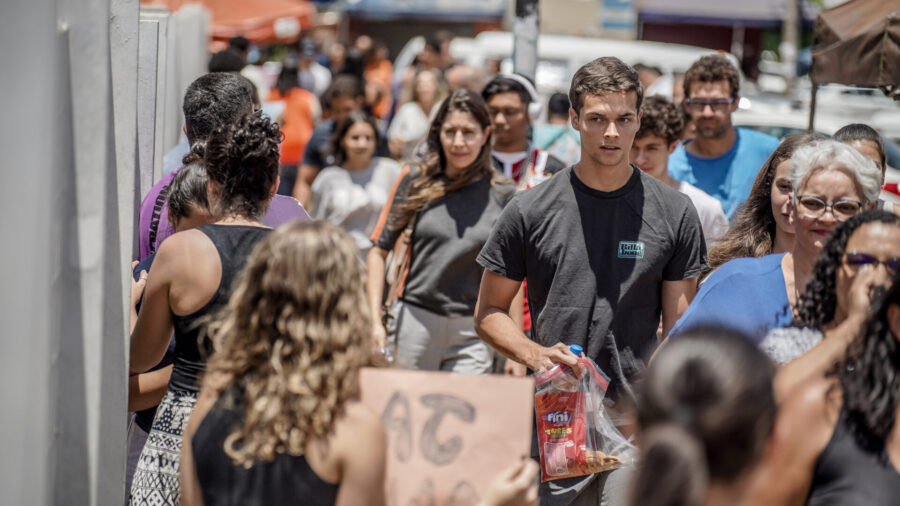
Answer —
(851, 473)
(234, 244)
(286, 480)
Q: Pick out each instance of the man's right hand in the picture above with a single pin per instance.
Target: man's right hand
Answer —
(543, 358)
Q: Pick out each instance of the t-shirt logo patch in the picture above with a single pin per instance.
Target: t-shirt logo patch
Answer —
(631, 249)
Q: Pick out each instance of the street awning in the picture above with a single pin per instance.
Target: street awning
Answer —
(257, 20)
(448, 10)
(858, 43)
(756, 14)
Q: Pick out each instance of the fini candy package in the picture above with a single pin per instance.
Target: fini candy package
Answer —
(575, 437)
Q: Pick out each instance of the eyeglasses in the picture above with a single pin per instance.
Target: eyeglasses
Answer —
(698, 104)
(814, 207)
(855, 259)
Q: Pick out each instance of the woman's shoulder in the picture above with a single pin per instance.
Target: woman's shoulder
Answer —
(749, 266)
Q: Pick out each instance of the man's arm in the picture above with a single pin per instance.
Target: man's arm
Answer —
(495, 326)
(676, 297)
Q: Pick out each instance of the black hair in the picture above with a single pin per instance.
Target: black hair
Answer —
(558, 105)
(215, 99)
(856, 132)
(433, 42)
(227, 60)
(240, 43)
(242, 159)
(334, 145)
(870, 374)
(706, 408)
(287, 79)
(187, 192)
(817, 304)
(500, 84)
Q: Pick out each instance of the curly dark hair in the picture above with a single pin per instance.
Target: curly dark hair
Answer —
(816, 306)
(712, 68)
(242, 158)
(752, 233)
(661, 118)
(870, 374)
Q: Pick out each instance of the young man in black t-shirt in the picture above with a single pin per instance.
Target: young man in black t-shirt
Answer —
(605, 248)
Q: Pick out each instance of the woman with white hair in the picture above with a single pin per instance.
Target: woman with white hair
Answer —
(755, 295)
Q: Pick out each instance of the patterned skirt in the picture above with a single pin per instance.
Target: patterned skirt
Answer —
(156, 480)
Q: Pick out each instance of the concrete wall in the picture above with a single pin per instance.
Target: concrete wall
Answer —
(67, 196)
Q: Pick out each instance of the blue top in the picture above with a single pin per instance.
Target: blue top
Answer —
(729, 177)
(745, 294)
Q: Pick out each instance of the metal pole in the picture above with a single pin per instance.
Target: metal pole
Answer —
(526, 28)
(789, 44)
(812, 106)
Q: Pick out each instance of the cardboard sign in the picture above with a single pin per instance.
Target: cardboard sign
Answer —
(448, 435)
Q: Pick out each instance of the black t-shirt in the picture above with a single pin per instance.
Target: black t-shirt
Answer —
(443, 275)
(316, 153)
(595, 262)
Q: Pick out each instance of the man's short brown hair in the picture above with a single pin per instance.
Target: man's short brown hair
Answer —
(601, 76)
(712, 68)
(661, 118)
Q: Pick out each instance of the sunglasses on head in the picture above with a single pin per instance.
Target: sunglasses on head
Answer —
(855, 259)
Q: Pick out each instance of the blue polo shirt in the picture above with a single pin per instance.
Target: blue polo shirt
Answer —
(745, 294)
(729, 177)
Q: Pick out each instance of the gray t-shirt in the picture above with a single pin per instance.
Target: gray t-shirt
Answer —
(353, 199)
(595, 262)
(443, 275)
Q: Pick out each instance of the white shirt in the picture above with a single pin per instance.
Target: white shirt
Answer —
(709, 209)
(353, 200)
(509, 159)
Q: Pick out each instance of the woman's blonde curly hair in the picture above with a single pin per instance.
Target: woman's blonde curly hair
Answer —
(291, 340)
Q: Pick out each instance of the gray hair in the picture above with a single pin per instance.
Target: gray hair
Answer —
(828, 154)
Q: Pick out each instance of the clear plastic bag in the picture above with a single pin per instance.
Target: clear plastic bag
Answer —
(575, 435)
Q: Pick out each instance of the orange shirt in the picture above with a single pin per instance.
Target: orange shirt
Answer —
(298, 123)
(379, 74)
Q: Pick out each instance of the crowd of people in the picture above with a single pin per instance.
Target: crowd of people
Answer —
(436, 223)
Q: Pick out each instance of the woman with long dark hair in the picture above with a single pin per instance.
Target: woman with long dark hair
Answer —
(856, 263)
(279, 420)
(837, 439)
(352, 192)
(191, 279)
(762, 225)
(705, 414)
(451, 200)
(831, 183)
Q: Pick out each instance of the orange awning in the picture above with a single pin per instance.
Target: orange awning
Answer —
(257, 20)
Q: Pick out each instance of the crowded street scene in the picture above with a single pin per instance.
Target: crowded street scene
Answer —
(486, 253)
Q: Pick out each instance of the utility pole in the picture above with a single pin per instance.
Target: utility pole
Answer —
(789, 43)
(526, 28)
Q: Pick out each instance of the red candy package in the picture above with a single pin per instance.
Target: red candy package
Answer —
(575, 437)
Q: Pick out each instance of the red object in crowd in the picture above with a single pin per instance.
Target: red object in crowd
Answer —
(892, 188)
(254, 19)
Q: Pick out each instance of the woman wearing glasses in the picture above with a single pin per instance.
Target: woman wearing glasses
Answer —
(856, 264)
(832, 182)
(836, 438)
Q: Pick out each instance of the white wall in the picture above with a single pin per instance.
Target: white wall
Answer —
(67, 138)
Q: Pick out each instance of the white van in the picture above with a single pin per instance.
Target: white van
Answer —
(559, 56)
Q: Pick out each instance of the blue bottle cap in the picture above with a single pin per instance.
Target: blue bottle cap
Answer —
(576, 349)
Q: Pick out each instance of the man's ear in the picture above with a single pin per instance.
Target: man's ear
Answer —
(734, 105)
(573, 119)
